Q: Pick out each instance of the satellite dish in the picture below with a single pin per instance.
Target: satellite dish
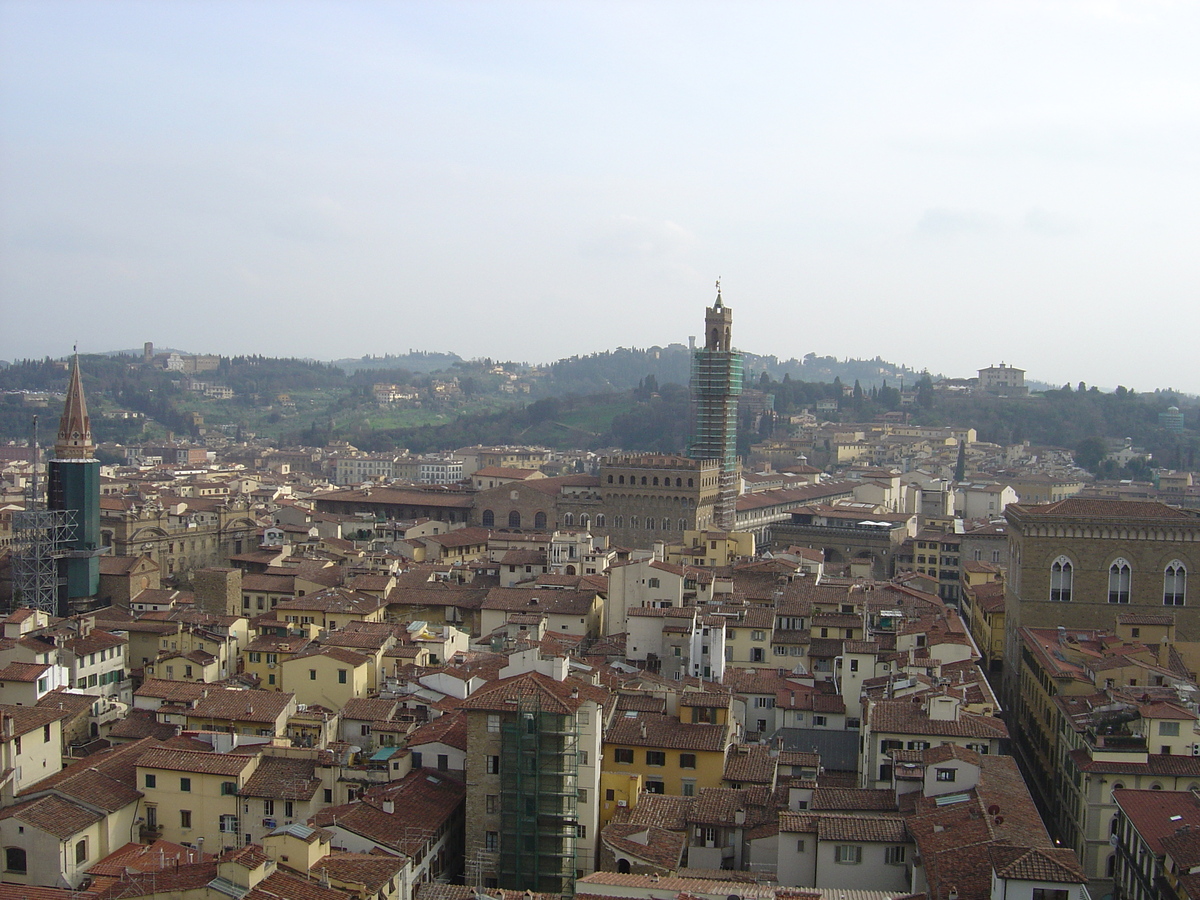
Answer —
(999, 820)
(993, 809)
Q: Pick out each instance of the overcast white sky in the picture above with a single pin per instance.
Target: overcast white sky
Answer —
(947, 185)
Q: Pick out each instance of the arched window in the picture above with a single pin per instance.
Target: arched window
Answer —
(514, 519)
(643, 480)
(599, 520)
(539, 520)
(690, 482)
(568, 519)
(666, 524)
(649, 523)
(656, 481)
(620, 479)
(1112, 826)
(14, 860)
(489, 518)
(1119, 578)
(610, 479)
(683, 524)
(678, 482)
(620, 522)
(1174, 584)
(623, 866)
(1062, 573)
(1156, 786)
(584, 520)
(633, 521)
(1110, 867)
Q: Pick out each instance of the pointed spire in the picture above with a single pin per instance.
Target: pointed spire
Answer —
(74, 428)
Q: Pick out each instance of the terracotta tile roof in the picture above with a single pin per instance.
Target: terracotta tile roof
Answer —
(171, 691)
(372, 870)
(54, 815)
(749, 764)
(153, 857)
(199, 763)
(689, 888)
(1145, 619)
(437, 594)
(23, 672)
(553, 601)
(333, 600)
(1037, 864)
(945, 752)
(853, 799)
(146, 884)
(448, 728)
(1122, 510)
(25, 719)
(884, 829)
(720, 806)
(242, 706)
(799, 758)
(561, 697)
(905, 717)
(1170, 765)
(656, 846)
(340, 654)
(424, 799)
(647, 730)
(1183, 848)
(281, 778)
(1158, 814)
(1164, 710)
(271, 643)
(369, 709)
(93, 642)
(282, 886)
(662, 811)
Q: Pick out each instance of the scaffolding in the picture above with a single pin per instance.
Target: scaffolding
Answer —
(716, 385)
(41, 537)
(539, 795)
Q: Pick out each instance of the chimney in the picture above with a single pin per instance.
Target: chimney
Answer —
(389, 806)
(643, 724)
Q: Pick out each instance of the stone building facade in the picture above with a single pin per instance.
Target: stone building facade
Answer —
(657, 497)
(179, 534)
(1078, 562)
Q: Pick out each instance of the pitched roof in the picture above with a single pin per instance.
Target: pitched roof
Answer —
(448, 728)
(654, 845)
(53, 814)
(647, 730)
(561, 697)
(282, 778)
(194, 761)
(862, 828)
(242, 706)
(1036, 864)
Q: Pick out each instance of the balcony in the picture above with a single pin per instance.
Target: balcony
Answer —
(1119, 741)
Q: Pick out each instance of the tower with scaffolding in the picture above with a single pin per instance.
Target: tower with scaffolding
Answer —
(529, 746)
(539, 791)
(716, 385)
(57, 537)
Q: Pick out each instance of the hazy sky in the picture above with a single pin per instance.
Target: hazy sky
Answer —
(946, 185)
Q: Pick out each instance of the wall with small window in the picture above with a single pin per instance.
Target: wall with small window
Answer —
(862, 865)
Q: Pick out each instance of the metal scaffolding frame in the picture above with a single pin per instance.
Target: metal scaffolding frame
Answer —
(539, 796)
(41, 537)
(716, 384)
